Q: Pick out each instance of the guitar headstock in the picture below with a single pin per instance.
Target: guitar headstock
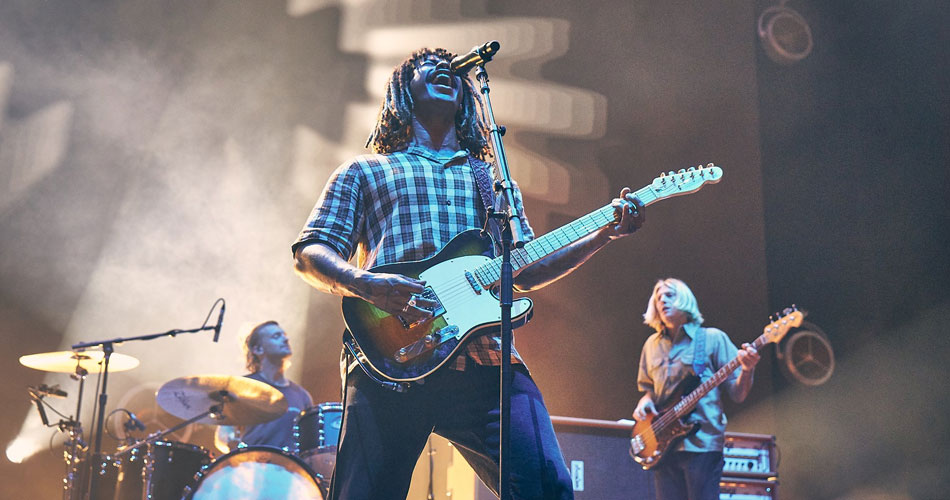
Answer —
(685, 181)
(777, 329)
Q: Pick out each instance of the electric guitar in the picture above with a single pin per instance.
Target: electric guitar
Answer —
(654, 435)
(461, 279)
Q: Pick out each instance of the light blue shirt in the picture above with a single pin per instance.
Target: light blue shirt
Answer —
(666, 361)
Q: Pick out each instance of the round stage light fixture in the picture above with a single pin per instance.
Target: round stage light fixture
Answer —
(785, 35)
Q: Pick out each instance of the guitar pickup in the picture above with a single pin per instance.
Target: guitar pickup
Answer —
(636, 444)
(425, 344)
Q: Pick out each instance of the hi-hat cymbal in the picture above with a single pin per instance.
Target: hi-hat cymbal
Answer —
(66, 361)
(245, 401)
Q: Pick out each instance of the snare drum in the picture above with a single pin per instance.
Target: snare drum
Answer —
(159, 471)
(255, 473)
(316, 434)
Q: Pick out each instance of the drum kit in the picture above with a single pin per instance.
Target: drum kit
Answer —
(158, 469)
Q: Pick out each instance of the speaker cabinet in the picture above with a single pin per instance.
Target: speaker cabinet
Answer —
(597, 452)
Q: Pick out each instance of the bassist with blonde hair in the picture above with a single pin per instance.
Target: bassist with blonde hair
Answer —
(678, 352)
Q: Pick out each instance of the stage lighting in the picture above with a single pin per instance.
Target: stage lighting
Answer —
(806, 356)
(19, 450)
(785, 35)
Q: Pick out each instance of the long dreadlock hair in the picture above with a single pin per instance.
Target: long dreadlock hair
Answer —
(394, 124)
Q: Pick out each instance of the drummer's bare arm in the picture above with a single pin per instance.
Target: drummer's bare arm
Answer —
(226, 438)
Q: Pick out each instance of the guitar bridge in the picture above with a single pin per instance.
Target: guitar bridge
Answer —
(425, 344)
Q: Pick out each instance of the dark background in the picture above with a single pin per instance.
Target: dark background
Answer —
(155, 156)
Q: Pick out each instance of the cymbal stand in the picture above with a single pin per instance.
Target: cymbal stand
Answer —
(108, 348)
(74, 441)
(213, 412)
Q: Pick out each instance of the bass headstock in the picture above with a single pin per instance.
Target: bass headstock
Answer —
(777, 329)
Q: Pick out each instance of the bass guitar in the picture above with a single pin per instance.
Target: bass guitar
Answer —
(654, 435)
(461, 279)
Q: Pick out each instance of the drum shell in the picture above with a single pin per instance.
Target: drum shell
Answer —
(318, 428)
(159, 471)
(103, 471)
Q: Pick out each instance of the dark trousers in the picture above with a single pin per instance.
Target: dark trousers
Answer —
(384, 433)
(685, 475)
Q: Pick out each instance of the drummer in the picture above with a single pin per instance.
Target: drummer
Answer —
(268, 352)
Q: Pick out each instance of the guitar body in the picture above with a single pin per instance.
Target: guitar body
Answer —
(404, 353)
(653, 436)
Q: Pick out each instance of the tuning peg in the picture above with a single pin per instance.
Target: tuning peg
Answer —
(787, 311)
(690, 169)
(671, 173)
(682, 171)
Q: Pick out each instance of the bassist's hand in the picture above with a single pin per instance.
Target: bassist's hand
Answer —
(396, 294)
(644, 407)
(748, 357)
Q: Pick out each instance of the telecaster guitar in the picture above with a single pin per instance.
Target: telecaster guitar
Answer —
(654, 435)
(460, 278)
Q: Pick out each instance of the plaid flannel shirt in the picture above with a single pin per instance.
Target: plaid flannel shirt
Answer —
(403, 206)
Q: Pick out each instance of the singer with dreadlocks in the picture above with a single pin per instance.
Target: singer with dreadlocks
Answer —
(403, 203)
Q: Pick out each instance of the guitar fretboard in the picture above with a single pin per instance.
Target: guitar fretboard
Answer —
(490, 272)
(689, 402)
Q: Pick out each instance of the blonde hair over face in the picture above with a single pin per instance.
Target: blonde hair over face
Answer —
(684, 300)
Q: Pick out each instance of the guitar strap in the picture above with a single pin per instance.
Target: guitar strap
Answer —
(483, 180)
(699, 353)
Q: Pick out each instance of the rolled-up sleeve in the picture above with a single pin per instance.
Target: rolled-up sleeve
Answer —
(337, 215)
(644, 380)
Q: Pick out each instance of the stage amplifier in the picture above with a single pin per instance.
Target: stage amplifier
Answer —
(749, 455)
(747, 489)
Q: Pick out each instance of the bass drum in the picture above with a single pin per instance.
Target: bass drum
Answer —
(256, 473)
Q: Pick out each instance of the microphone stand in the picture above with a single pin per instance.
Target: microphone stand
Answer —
(511, 237)
(107, 349)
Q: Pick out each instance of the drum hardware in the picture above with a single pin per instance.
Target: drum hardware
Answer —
(77, 364)
(160, 470)
(316, 435)
(108, 348)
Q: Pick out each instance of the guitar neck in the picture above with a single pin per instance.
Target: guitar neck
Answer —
(542, 246)
(686, 405)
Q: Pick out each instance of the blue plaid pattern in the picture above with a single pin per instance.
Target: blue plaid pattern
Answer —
(404, 206)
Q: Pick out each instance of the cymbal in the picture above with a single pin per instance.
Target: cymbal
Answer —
(66, 361)
(246, 401)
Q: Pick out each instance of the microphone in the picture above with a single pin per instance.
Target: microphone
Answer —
(39, 407)
(133, 423)
(46, 390)
(217, 328)
(480, 54)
